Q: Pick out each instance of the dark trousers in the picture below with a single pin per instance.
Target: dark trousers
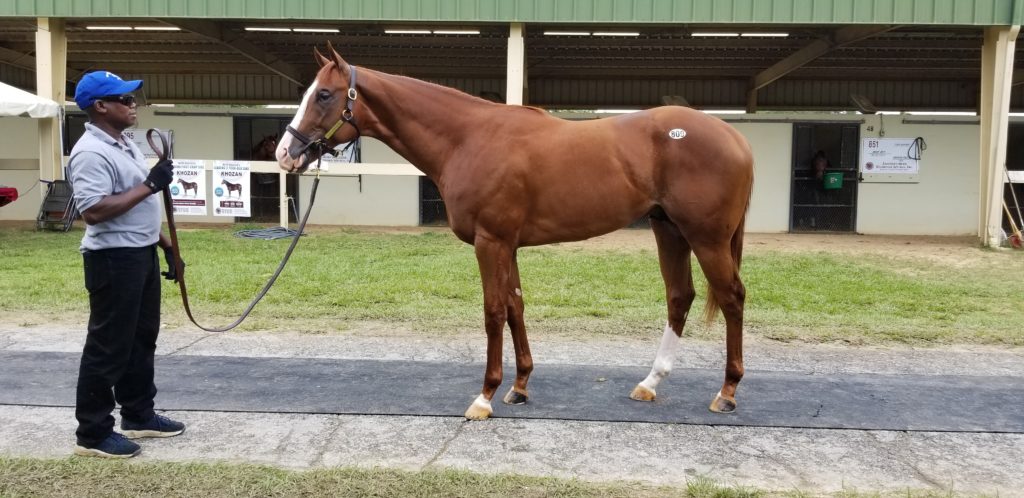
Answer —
(124, 320)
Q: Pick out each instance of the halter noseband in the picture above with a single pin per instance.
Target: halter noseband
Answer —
(320, 146)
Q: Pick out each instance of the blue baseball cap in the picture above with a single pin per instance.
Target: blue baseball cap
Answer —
(98, 84)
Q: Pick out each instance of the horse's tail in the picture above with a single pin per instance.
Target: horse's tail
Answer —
(711, 306)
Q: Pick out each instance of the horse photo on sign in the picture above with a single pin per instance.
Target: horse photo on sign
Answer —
(186, 186)
(514, 176)
(232, 187)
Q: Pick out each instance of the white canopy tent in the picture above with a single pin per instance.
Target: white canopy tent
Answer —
(17, 102)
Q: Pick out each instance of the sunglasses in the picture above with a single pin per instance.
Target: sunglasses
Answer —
(125, 100)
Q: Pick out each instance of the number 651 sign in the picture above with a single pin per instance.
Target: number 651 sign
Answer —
(888, 155)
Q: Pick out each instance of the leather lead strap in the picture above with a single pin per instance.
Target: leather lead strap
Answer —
(179, 268)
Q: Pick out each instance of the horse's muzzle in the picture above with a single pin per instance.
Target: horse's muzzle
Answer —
(292, 156)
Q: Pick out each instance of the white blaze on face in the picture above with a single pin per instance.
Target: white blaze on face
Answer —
(663, 361)
(283, 159)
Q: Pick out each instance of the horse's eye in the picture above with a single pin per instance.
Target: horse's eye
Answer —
(323, 96)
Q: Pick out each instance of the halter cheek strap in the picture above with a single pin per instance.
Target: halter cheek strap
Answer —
(346, 114)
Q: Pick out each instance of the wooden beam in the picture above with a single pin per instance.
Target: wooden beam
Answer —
(51, 74)
(28, 62)
(213, 31)
(815, 49)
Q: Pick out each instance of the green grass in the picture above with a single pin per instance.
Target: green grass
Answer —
(23, 477)
(428, 281)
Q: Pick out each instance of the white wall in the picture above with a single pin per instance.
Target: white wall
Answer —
(772, 144)
(945, 201)
(19, 167)
(384, 200)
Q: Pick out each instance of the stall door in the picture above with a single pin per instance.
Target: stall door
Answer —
(824, 173)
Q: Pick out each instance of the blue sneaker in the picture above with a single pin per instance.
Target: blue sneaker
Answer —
(114, 446)
(158, 426)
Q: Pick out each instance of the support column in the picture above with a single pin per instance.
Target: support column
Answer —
(51, 74)
(515, 77)
(996, 83)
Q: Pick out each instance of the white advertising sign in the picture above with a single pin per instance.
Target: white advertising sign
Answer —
(889, 156)
(188, 189)
(138, 136)
(337, 157)
(231, 188)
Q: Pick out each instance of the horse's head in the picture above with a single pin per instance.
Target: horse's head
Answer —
(325, 117)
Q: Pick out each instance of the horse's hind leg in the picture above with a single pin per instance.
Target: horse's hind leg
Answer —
(721, 267)
(674, 257)
(524, 361)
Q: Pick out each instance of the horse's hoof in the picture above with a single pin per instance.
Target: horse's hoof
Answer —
(515, 397)
(480, 409)
(723, 404)
(641, 393)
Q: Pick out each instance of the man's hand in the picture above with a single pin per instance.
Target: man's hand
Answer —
(160, 176)
(172, 272)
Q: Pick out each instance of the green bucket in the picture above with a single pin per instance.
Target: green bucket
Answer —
(833, 181)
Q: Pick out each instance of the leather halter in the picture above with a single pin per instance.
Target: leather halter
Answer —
(320, 146)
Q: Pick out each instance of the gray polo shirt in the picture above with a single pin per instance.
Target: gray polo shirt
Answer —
(101, 166)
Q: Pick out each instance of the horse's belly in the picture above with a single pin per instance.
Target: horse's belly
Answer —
(579, 220)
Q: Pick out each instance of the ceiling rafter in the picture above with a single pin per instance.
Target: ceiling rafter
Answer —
(817, 48)
(237, 41)
(28, 61)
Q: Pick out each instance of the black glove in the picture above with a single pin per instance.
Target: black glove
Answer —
(160, 176)
(172, 272)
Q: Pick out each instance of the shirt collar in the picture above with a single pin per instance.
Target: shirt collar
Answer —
(102, 135)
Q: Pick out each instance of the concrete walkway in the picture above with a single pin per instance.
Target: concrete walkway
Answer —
(815, 460)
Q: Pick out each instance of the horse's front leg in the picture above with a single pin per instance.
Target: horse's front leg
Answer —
(495, 260)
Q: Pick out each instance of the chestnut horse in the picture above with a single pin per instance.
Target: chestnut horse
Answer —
(514, 176)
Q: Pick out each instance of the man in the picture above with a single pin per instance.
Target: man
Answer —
(113, 189)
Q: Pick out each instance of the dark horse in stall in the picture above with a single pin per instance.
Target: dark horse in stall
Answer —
(264, 150)
(514, 176)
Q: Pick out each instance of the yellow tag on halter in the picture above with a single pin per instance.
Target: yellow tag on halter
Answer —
(334, 128)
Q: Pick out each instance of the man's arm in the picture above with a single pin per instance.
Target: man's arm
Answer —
(164, 242)
(115, 205)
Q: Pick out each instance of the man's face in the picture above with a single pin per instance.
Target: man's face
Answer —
(118, 111)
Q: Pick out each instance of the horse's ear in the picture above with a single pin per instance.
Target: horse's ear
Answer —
(320, 59)
(338, 61)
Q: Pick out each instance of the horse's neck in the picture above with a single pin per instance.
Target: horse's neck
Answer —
(420, 121)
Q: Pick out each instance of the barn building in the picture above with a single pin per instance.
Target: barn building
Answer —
(929, 84)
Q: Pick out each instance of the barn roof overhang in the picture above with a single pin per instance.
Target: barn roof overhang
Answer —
(931, 12)
(895, 54)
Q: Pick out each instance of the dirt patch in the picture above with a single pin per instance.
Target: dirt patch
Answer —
(952, 251)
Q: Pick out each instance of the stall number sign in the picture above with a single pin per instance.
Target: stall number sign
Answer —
(139, 137)
(889, 156)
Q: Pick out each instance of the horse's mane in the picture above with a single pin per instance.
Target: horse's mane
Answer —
(452, 92)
